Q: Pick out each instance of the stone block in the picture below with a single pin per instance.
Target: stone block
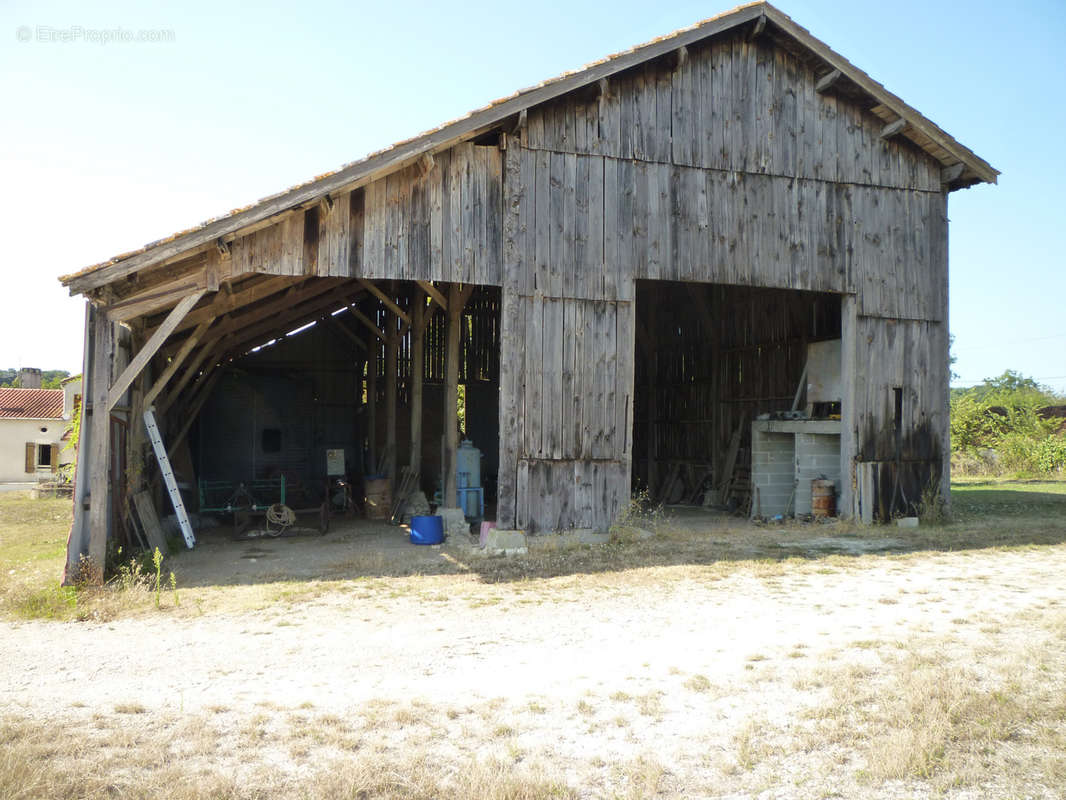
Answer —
(497, 539)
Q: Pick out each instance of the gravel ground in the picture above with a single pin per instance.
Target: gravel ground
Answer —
(675, 664)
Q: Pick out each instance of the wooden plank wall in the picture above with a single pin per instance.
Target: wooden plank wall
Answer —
(440, 225)
(732, 169)
(567, 350)
(913, 357)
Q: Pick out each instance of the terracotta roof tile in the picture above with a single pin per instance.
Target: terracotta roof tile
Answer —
(31, 403)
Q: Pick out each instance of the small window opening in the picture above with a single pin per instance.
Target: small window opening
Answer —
(271, 440)
(897, 419)
(44, 455)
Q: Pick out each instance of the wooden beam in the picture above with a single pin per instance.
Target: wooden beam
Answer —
(193, 411)
(827, 82)
(680, 57)
(133, 369)
(893, 128)
(279, 325)
(384, 298)
(758, 28)
(369, 323)
(336, 324)
(297, 295)
(434, 293)
(175, 362)
(156, 298)
(231, 300)
(949, 175)
(99, 463)
(425, 164)
(519, 123)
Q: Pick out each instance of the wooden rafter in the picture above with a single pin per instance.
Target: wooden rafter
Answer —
(175, 363)
(384, 298)
(436, 294)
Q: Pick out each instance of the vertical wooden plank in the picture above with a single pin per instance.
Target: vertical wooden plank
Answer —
(534, 376)
(610, 381)
(586, 273)
(569, 389)
(625, 353)
(374, 243)
(612, 223)
(543, 223)
(357, 229)
(557, 245)
(595, 280)
(453, 214)
(435, 202)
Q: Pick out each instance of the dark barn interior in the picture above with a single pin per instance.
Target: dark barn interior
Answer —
(279, 408)
(711, 358)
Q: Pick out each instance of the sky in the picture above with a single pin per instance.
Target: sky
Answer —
(107, 144)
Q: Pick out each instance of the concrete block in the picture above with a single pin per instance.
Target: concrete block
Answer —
(454, 521)
(907, 522)
(497, 539)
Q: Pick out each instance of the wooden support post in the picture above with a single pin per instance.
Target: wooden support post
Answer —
(100, 451)
(392, 342)
(373, 350)
(849, 435)
(418, 329)
(451, 396)
(652, 371)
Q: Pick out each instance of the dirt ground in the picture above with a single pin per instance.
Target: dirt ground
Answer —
(747, 676)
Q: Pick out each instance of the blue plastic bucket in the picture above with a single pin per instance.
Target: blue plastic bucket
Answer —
(427, 530)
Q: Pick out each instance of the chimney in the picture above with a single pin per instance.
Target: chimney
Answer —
(30, 378)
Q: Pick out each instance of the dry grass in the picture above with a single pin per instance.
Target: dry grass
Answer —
(37, 760)
(923, 717)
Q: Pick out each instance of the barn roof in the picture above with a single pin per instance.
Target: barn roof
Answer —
(962, 167)
(31, 403)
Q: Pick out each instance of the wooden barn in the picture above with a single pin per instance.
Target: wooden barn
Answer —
(715, 265)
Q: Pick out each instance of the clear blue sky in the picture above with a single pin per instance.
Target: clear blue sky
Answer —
(104, 147)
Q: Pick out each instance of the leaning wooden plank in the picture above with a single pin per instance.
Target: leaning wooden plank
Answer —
(142, 506)
(133, 369)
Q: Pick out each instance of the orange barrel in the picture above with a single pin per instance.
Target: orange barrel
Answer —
(823, 499)
(378, 498)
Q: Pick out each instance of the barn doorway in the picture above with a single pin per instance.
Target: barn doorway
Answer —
(710, 360)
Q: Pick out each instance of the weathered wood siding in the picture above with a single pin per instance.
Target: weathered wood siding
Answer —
(437, 225)
(566, 368)
(895, 461)
(733, 169)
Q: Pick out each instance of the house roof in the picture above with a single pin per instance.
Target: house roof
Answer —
(31, 403)
(963, 167)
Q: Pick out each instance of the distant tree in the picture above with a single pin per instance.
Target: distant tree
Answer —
(8, 378)
(1013, 389)
(53, 378)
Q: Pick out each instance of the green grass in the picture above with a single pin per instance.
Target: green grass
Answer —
(33, 539)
